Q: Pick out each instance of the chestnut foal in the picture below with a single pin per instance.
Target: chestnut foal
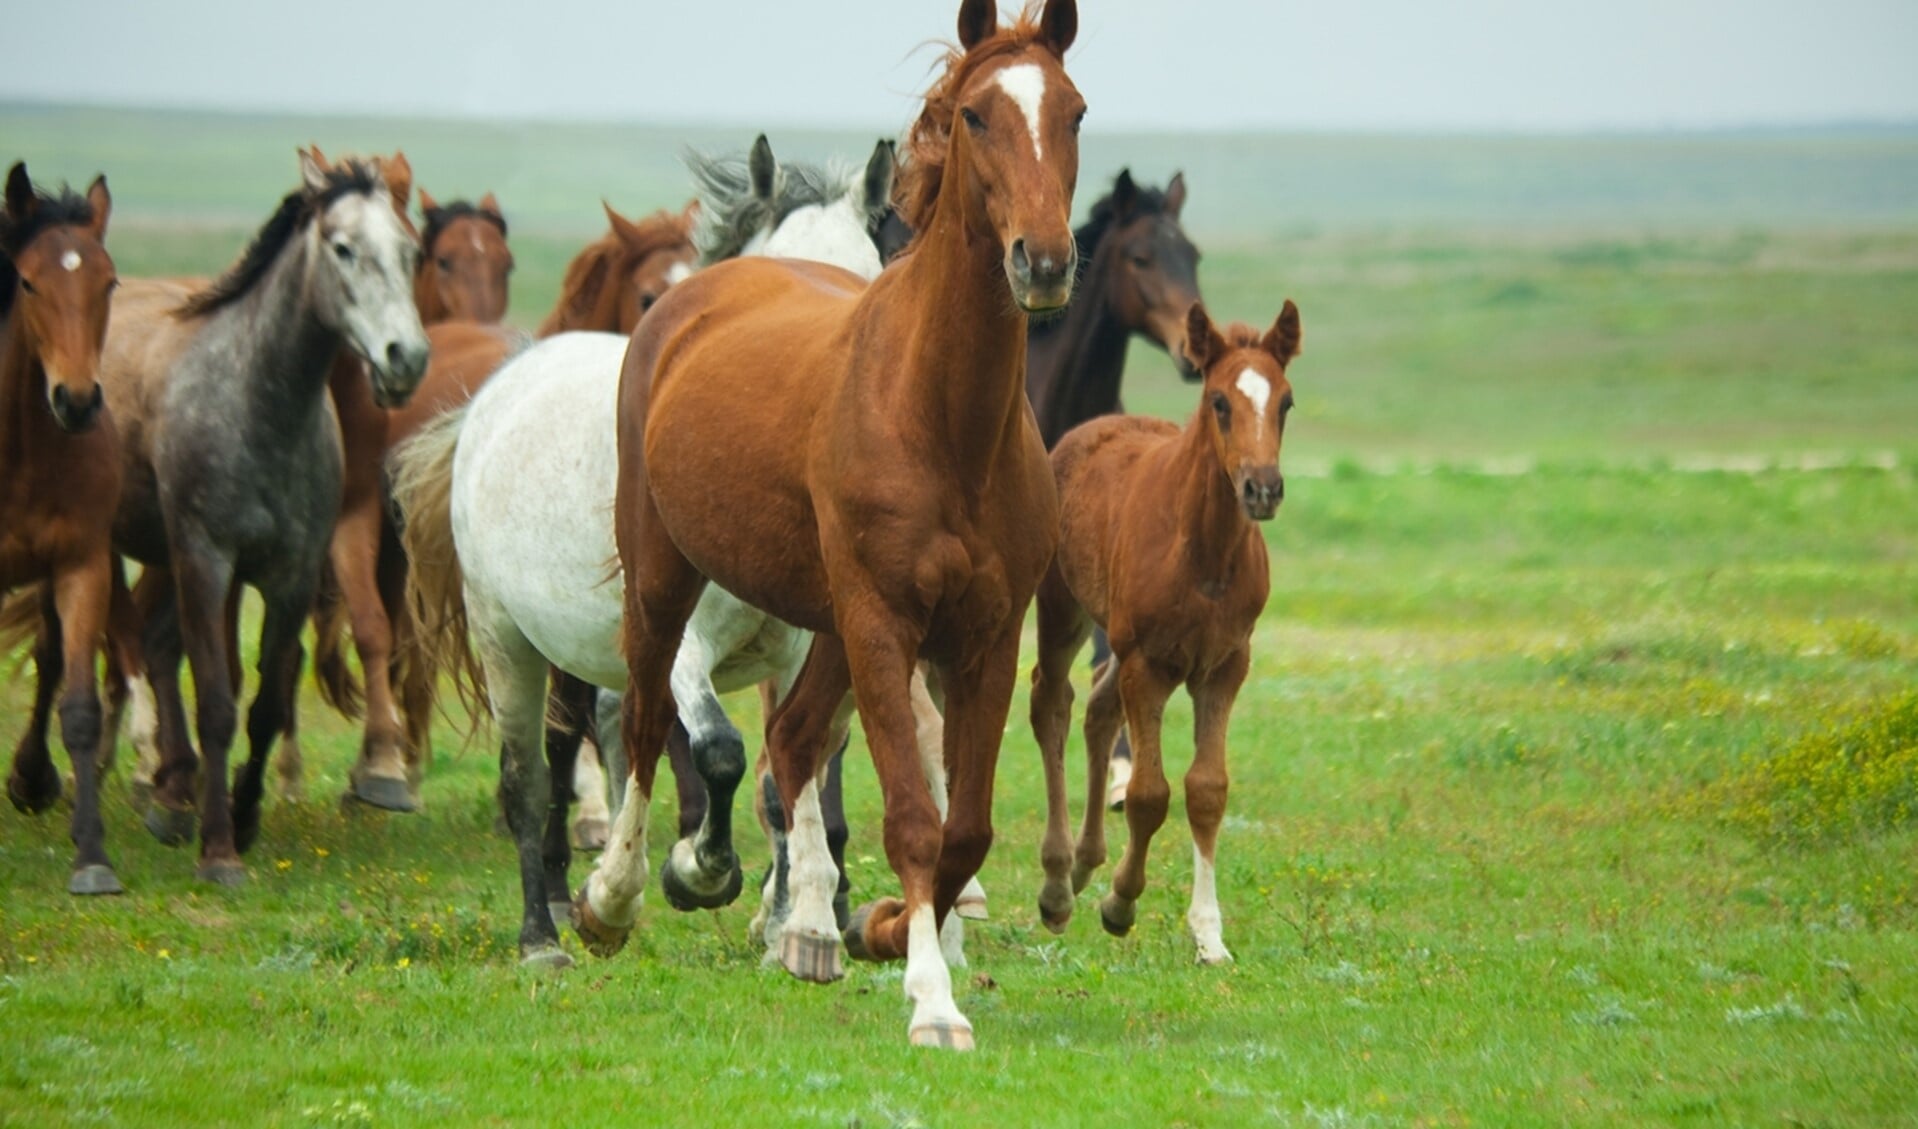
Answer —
(1157, 544)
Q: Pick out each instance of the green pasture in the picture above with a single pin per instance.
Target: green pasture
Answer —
(1574, 783)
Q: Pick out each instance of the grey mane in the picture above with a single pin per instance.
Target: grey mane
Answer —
(730, 215)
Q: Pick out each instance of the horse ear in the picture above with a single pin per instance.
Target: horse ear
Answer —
(1124, 192)
(487, 204)
(762, 168)
(427, 203)
(20, 198)
(1202, 340)
(101, 201)
(1175, 195)
(1060, 25)
(879, 171)
(978, 19)
(313, 169)
(398, 172)
(622, 227)
(1285, 336)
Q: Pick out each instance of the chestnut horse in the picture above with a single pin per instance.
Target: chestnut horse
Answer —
(620, 275)
(861, 462)
(233, 469)
(59, 484)
(1159, 546)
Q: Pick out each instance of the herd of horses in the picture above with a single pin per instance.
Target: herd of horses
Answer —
(794, 436)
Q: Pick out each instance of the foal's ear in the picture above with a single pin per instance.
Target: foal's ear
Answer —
(1175, 195)
(313, 169)
(878, 183)
(398, 172)
(762, 169)
(1202, 340)
(20, 198)
(1285, 336)
(1124, 192)
(428, 205)
(978, 19)
(101, 202)
(1060, 25)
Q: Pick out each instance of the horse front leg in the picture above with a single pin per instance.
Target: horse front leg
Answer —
(1206, 785)
(1062, 631)
(702, 872)
(82, 597)
(1147, 797)
(516, 684)
(203, 578)
(172, 815)
(271, 715)
(811, 718)
(569, 711)
(34, 783)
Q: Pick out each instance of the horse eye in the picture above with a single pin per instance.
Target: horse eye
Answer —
(1077, 122)
(444, 264)
(1222, 407)
(1285, 405)
(343, 251)
(27, 287)
(973, 121)
(1141, 261)
(646, 301)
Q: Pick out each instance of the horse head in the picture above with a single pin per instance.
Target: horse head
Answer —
(57, 297)
(1247, 399)
(463, 274)
(1153, 268)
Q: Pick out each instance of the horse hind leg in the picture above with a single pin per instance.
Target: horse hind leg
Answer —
(1143, 694)
(382, 776)
(703, 871)
(1206, 787)
(516, 680)
(569, 709)
(33, 785)
(595, 816)
(271, 715)
(1062, 631)
(165, 745)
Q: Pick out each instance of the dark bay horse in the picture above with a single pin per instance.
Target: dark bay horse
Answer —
(59, 485)
(1159, 545)
(232, 464)
(861, 462)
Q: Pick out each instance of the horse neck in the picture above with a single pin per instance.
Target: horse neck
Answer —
(1077, 361)
(281, 352)
(23, 394)
(1211, 523)
(964, 375)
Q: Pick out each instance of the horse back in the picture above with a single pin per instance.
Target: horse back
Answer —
(1095, 466)
(144, 342)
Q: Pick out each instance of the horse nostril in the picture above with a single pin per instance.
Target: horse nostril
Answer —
(1020, 262)
(395, 356)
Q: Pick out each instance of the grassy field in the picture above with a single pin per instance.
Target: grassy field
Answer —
(1550, 804)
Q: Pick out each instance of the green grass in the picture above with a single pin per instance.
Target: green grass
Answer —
(1490, 856)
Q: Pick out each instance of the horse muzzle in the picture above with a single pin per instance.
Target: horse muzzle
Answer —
(1041, 279)
(1260, 492)
(75, 413)
(398, 373)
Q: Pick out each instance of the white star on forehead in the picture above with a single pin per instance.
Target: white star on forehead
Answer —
(1257, 389)
(70, 261)
(1025, 84)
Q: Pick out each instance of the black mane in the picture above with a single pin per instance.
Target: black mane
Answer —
(1145, 202)
(64, 209)
(292, 216)
(442, 216)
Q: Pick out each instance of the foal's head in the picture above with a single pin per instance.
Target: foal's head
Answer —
(55, 278)
(1004, 119)
(364, 254)
(1151, 270)
(463, 274)
(1246, 400)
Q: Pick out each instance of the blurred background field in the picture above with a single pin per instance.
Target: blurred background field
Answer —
(1573, 785)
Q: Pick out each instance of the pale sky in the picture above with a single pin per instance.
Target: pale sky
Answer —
(1398, 65)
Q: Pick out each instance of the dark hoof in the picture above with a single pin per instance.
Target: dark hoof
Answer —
(947, 1036)
(812, 959)
(544, 958)
(96, 878)
(174, 827)
(590, 834)
(388, 793)
(1055, 921)
(36, 795)
(230, 873)
(855, 934)
(600, 939)
(1116, 914)
(685, 899)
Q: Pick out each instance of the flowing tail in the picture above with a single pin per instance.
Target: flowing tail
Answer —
(20, 623)
(422, 478)
(331, 672)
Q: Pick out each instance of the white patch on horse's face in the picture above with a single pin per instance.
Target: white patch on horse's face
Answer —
(1256, 388)
(678, 273)
(70, 261)
(373, 297)
(833, 233)
(1025, 84)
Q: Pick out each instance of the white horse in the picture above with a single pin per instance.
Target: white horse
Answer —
(508, 510)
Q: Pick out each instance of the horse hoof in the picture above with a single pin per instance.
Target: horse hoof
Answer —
(600, 939)
(561, 913)
(173, 827)
(32, 797)
(949, 1036)
(230, 873)
(1121, 777)
(544, 958)
(1116, 914)
(855, 934)
(590, 834)
(1214, 959)
(685, 899)
(1055, 920)
(388, 793)
(972, 908)
(92, 879)
(812, 959)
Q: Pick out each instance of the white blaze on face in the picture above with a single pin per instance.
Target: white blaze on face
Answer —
(70, 261)
(1025, 84)
(1256, 388)
(678, 273)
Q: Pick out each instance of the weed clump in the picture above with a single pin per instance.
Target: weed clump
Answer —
(1855, 779)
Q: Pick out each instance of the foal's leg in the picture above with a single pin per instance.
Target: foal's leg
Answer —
(381, 775)
(1205, 794)
(271, 714)
(1147, 797)
(1121, 754)
(1063, 627)
(1104, 725)
(82, 596)
(34, 783)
